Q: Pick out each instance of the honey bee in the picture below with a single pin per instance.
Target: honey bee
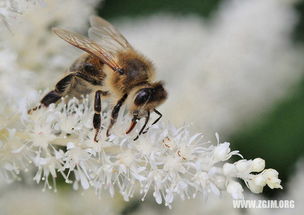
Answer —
(112, 68)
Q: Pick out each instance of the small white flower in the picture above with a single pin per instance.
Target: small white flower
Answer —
(243, 166)
(259, 180)
(257, 183)
(126, 158)
(229, 169)
(254, 187)
(258, 165)
(173, 164)
(157, 196)
(235, 189)
(220, 181)
(271, 178)
(76, 154)
(221, 151)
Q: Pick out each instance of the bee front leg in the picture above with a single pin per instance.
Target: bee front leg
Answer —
(97, 117)
(144, 126)
(54, 95)
(115, 112)
(159, 117)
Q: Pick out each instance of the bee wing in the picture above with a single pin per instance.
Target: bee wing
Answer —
(107, 35)
(89, 46)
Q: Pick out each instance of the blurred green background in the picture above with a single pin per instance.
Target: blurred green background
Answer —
(277, 136)
(118, 8)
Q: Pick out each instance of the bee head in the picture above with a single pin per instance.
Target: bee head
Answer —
(150, 97)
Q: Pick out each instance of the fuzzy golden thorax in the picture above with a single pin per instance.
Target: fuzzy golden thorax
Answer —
(137, 70)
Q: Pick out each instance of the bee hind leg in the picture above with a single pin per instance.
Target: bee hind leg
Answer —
(54, 95)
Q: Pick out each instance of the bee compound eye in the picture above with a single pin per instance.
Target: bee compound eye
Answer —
(142, 96)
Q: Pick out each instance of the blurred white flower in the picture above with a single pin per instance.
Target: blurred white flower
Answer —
(14, 80)
(27, 200)
(31, 47)
(10, 9)
(36, 47)
(13, 156)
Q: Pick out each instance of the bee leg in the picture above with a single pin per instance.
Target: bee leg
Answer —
(144, 126)
(159, 117)
(115, 112)
(97, 117)
(54, 95)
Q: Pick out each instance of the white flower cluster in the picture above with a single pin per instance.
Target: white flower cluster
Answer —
(255, 182)
(294, 188)
(168, 161)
